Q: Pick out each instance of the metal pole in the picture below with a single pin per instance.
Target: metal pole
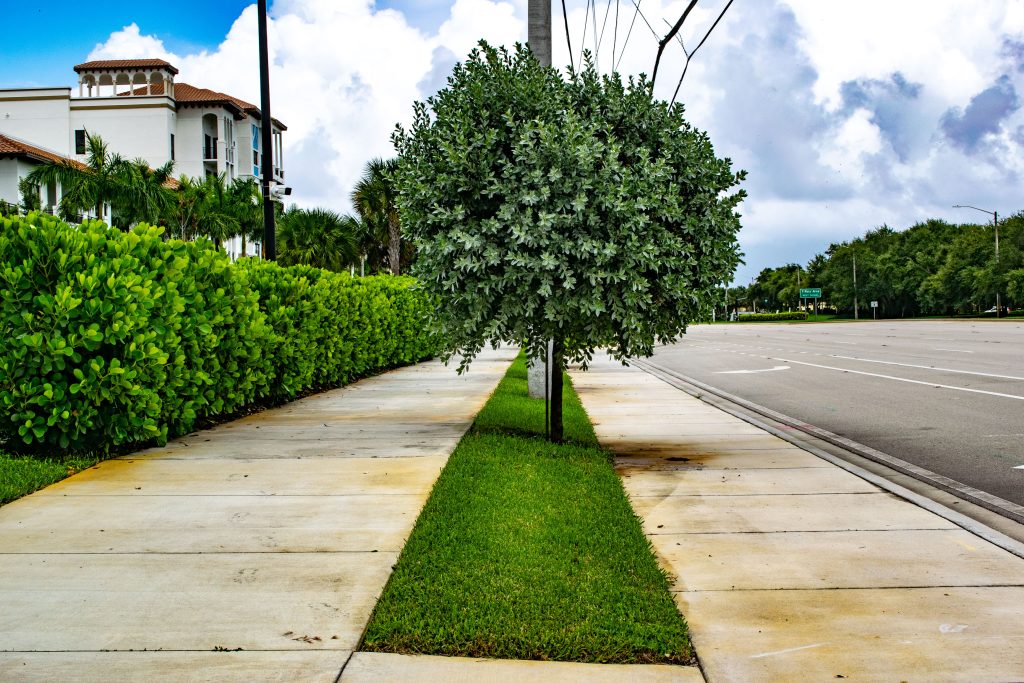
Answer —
(267, 142)
(995, 223)
(855, 314)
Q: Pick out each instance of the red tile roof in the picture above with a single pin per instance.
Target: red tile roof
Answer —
(111, 64)
(190, 94)
(12, 147)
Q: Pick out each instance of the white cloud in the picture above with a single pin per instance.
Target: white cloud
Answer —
(836, 109)
(342, 75)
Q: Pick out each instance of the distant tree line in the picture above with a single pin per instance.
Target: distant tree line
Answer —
(213, 208)
(932, 268)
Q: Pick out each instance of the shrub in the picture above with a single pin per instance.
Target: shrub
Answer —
(116, 337)
(768, 317)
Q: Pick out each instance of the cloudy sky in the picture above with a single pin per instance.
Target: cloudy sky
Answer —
(846, 115)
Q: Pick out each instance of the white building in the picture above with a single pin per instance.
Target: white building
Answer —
(139, 110)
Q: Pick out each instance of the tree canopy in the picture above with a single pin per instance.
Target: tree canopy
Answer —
(931, 268)
(578, 210)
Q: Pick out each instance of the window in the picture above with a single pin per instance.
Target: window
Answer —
(80, 141)
(172, 146)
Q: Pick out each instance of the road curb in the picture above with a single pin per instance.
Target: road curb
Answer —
(980, 498)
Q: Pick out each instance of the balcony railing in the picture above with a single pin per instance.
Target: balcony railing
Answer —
(210, 150)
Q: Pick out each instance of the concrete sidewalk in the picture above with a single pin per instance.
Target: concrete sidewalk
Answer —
(253, 551)
(787, 567)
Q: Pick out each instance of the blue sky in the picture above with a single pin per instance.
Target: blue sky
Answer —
(33, 58)
(847, 116)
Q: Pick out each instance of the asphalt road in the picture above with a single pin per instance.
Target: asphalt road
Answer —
(944, 395)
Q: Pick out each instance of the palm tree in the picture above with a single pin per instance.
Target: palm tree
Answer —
(246, 203)
(204, 207)
(316, 237)
(153, 198)
(105, 178)
(374, 199)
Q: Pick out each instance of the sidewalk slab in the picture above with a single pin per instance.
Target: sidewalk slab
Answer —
(376, 667)
(274, 534)
(787, 570)
(773, 514)
(203, 667)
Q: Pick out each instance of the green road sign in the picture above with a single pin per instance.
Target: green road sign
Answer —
(810, 293)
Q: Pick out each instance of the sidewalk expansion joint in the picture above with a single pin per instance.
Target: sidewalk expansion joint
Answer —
(748, 495)
(791, 531)
(849, 588)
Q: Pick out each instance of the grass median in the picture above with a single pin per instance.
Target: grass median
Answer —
(529, 550)
(20, 475)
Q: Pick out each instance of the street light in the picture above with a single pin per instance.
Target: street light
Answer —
(995, 224)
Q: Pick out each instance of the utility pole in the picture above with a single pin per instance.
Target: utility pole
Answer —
(541, 376)
(995, 224)
(538, 31)
(267, 141)
(856, 315)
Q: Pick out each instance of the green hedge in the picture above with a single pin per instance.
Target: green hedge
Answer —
(116, 337)
(768, 317)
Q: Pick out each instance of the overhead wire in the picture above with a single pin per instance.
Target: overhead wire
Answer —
(628, 34)
(604, 25)
(668, 38)
(690, 55)
(568, 41)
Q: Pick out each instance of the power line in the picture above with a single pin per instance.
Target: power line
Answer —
(690, 55)
(568, 42)
(668, 38)
(604, 25)
(628, 34)
(615, 35)
(583, 40)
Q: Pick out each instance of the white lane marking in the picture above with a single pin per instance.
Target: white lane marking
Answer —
(849, 343)
(928, 367)
(953, 350)
(952, 628)
(1019, 467)
(750, 372)
(904, 379)
(782, 652)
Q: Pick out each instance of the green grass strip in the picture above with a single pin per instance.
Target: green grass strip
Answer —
(529, 550)
(21, 475)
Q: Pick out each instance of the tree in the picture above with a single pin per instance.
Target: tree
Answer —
(204, 208)
(246, 200)
(105, 178)
(30, 199)
(581, 211)
(374, 199)
(151, 196)
(317, 237)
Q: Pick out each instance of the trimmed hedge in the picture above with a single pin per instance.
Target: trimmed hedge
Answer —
(114, 337)
(768, 317)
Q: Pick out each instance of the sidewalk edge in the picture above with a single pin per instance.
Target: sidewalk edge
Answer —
(690, 386)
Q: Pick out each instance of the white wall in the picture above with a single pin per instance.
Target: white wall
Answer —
(131, 126)
(38, 116)
(188, 143)
(9, 181)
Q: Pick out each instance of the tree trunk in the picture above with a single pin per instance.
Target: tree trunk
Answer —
(394, 246)
(243, 245)
(557, 427)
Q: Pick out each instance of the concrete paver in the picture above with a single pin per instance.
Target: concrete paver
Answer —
(204, 667)
(274, 534)
(791, 571)
(375, 667)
